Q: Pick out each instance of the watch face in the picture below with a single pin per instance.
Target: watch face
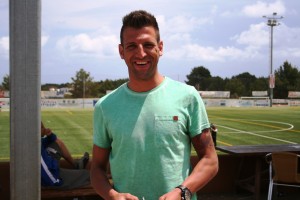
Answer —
(187, 195)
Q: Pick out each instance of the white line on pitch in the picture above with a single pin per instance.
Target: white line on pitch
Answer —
(250, 133)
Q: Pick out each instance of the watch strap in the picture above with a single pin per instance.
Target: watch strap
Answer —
(183, 191)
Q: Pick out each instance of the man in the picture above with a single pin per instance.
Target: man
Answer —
(214, 131)
(146, 126)
(52, 175)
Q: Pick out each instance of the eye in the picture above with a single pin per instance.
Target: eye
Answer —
(149, 45)
(130, 47)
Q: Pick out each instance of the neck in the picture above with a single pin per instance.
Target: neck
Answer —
(145, 85)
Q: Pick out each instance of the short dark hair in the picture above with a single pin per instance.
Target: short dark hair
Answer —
(139, 19)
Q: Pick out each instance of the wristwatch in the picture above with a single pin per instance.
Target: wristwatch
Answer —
(185, 192)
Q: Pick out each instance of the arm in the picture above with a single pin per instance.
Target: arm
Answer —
(47, 136)
(206, 168)
(65, 152)
(99, 178)
(98, 175)
(51, 137)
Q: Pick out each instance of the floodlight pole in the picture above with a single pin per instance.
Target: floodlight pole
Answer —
(272, 21)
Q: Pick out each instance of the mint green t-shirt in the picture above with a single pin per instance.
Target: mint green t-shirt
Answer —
(149, 134)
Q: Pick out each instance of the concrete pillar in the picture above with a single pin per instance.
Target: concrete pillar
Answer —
(25, 85)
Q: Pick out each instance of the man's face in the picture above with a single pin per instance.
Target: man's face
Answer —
(44, 131)
(141, 52)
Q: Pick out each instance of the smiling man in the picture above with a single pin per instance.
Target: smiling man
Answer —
(145, 128)
(141, 48)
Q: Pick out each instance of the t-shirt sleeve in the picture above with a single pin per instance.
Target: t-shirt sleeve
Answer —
(101, 136)
(49, 139)
(198, 115)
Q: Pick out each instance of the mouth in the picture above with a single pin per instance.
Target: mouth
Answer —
(141, 63)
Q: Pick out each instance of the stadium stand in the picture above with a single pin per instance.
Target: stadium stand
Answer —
(215, 94)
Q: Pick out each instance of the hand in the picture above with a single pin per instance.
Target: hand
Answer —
(46, 131)
(124, 196)
(172, 195)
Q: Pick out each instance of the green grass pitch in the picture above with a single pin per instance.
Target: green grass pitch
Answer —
(236, 126)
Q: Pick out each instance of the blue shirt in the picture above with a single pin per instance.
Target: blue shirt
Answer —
(49, 165)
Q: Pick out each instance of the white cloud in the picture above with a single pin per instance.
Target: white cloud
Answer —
(4, 43)
(214, 10)
(261, 8)
(226, 14)
(84, 44)
(256, 36)
(181, 23)
(197, 52)
(72, 14)
(69, 7)
(45, 39)
(83, 22)
(231, 33)
(289, 52)
(4, 47)
(287, 36)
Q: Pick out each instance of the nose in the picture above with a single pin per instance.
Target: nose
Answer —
(140, 52)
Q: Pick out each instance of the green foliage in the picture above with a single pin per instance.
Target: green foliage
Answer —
(260, 84)
(199, 78)
(287, 78)
(236, 87)
(247, 80)
(5, 83)
(110, 85)
(216, 84)
(83, 86)
(48, 86)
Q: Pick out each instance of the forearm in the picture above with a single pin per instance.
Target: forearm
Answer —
(101, 183)
(204, 171)
(207, 166)
(99, 179)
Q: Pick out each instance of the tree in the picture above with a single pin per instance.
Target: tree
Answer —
(287, 78)
(199, 78)
(216, 84)
(82, 85)
(260, 84)
(48, 86)
(235, 86)
(247, 80)
(110, 85)
(5, 82)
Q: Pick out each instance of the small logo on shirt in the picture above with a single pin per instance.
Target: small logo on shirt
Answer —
(175, 118)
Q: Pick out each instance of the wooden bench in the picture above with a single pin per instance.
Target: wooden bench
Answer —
(86, 191)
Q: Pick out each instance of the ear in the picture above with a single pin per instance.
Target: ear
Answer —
(161, 48)
(121, 51)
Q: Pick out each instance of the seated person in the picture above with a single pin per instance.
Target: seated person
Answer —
(214, 131)
(52, 175)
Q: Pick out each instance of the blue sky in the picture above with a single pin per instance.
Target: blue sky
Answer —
(226, 37)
